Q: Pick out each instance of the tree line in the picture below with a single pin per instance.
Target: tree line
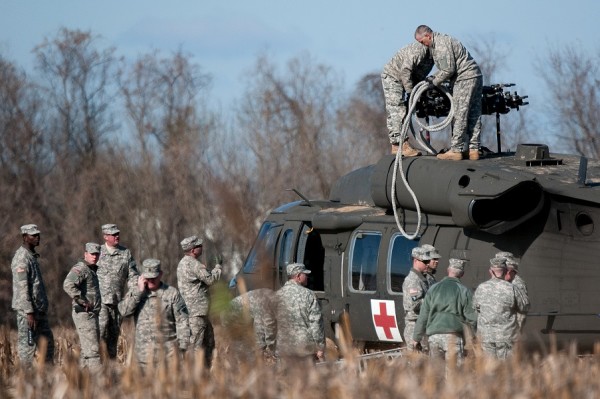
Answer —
(91, 138)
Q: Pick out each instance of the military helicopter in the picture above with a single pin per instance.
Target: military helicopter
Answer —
(538, 205)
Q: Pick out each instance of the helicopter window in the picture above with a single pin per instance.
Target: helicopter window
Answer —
(584, 223)
(285, 254)
(399, 261)
(264, 245)
(363, 261)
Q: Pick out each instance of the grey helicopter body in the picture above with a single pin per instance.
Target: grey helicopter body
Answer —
(542, 207)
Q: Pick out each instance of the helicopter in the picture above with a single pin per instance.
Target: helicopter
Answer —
(539, 205)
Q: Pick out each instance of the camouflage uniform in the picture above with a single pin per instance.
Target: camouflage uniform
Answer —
(300, 330)
(454, 63)
(29, 296)
(256, 305)
(520, 285)
(497, 303)
(194, 280)
(81, 284)
(409, 66)
(116, 269)
(414, 288)
(161, 320)
(446, 309)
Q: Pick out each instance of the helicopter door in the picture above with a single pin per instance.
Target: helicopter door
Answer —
(362, 282)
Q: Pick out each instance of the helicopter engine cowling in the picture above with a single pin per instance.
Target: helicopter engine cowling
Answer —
(493, 200)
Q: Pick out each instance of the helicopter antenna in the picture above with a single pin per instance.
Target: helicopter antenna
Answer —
(301, 196)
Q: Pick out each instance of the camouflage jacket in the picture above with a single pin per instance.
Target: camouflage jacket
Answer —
(430, 278)
(29, 292)
(160, 317)
(115, 271)
(520, 284)
(453, 61)
(414, 288)
(497, 303)
(82, 282)
(193, 281)
(257, 305)
(410, 65)
(300, 329)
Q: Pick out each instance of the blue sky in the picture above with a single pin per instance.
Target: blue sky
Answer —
(354, 37)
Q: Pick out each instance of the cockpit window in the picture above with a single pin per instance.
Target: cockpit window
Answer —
(261, 252)
(399, 261)
(363, 261)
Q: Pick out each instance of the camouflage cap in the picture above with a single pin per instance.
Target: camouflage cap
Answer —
(458, 264)
(151, 268)
(498, 263)
(296, 268)
(110, 228)
(504, 254)
(420, 254)
(30, 229)
(512, 263)
(92, 248)
(190, 243)
(433, 252)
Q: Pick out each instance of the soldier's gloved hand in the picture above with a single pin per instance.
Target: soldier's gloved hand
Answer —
(216, 272)
(429, 80)
(84, 304)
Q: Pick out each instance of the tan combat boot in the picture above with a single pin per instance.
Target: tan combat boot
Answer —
(395, 148)
(451, 155)
(408, 151)
(473, 155)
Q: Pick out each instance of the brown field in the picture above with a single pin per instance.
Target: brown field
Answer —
(553, 375)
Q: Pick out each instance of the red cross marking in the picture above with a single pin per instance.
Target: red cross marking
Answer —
(384, 320)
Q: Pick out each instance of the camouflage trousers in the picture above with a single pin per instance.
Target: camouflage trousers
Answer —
(203, 337)
(150, 351)
(393, 92)
(89, 337)
(466, 126)
(109, 322)
(42, 329)
(447, 346)
(499, 350)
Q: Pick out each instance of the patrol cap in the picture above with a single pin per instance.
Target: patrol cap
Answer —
(504, 255)
(420, 254)
(296, 268)
(190, 243)
(92, 248)
(458, 264)
(110, 229)
(433, 252)
(498, 263)
(150, 268)
(30, 229)
(512, 263)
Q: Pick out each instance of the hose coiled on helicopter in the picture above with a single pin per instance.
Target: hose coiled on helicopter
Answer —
(418, 90)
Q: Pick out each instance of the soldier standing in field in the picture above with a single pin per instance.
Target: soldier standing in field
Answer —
(300, 329)
(409, 66)
(497, 303)
(160, 314)
(194, 280)
(513, 277)
(29, 298)
(446, 310)
(81, 284)
(254, 309)
(414, 288)
(116, 270)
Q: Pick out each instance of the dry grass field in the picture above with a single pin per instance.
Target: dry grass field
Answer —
(553, 375)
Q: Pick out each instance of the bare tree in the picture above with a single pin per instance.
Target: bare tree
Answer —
(572, 77)
(288, 123)
(77, 77)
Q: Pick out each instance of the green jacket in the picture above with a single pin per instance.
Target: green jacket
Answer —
(447, 306)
